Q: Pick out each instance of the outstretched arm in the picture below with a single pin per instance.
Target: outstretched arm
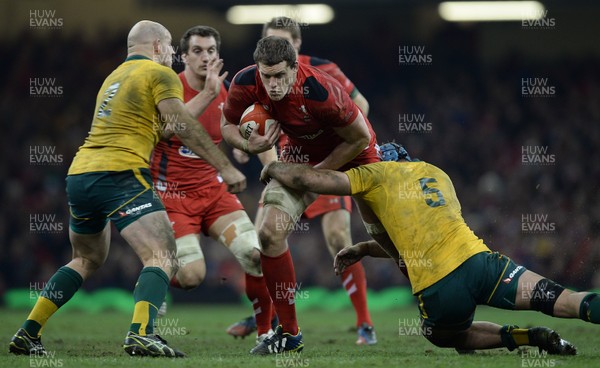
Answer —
(306, 178)
(382, 247)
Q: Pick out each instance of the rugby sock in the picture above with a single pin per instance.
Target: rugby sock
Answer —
(355, 283)
(58, 290)
(258, 294)
(149, 293)
(513, 336)
(280, 278)
(589, 309)
(273, 314)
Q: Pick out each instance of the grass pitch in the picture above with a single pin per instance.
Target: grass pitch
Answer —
(75, 339)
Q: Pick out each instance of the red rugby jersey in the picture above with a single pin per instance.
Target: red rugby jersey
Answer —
(315, 105)
(330, 68)
(174, 166)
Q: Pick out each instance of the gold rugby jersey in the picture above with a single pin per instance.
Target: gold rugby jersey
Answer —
(417, 205)
(126, 124)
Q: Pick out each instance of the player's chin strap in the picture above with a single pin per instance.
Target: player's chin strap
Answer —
(393, 152)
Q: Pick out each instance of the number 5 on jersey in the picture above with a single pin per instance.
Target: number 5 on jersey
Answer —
(428, 192)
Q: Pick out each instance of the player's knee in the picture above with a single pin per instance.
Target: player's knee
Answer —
(269, 236)
(249, 259)
(191, 277)
(441, 340)
(544, 296)
(244, 245)
(189, 262)
(90, 263)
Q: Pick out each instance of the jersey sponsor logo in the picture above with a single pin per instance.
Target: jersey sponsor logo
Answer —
(312, 136)
(186, 152)
(135, 210)
(512, 275)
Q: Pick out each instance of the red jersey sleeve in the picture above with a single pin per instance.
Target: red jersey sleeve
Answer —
(241, 94)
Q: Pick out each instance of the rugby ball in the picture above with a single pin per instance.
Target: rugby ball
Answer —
(255, 117)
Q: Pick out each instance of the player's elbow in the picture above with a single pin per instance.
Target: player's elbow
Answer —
(364, 106)
(227, 130)
(362, 142)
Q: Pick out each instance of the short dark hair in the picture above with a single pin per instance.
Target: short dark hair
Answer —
(285, 24)
(202, 31)
(273, 50)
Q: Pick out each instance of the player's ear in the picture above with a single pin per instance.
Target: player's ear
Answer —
(297, 43)
(294, 65)
(156, 46)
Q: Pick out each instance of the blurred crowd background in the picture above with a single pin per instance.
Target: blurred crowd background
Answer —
(478, 122)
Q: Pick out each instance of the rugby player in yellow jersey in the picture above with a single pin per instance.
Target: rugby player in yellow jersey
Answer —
(109, 181)
(415, 217)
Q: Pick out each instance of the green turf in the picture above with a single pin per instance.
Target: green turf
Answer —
(77, 339)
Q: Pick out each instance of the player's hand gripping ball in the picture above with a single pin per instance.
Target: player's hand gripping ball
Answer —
(255, 117)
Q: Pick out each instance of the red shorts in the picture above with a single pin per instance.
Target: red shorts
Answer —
(328, 203)
(193, 212)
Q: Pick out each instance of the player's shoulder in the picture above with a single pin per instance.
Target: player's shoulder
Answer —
(141, 71)
(315, 82)
(314, 61)
(246, 76)
(151, 66)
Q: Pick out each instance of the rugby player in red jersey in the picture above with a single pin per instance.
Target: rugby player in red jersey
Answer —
(192, 190)
(335, 210)
(325, 129)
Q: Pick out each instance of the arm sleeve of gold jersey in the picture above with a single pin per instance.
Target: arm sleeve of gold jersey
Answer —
(365, 177)
(166, 84)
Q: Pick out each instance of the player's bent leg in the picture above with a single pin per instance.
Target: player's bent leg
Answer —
(151, 237)
(487, 335)
(480, 335)
(89, 253)
(511, 286)
(544, 295)
(282, 208)
(236, 232)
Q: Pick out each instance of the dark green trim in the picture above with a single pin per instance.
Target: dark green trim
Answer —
(137, 57)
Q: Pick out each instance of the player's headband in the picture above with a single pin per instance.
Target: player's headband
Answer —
(393, 152)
